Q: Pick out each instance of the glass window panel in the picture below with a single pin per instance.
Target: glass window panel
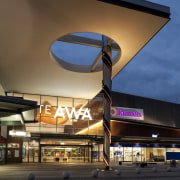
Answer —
(68, 127)
(25, 152)
(112, 157)
(13, 145)
(46, 114)
(127, 153)
(118, 153)
(33, 127)
(96, 108)
(29, 115)
(62, 101)
(61, 129)
(9, 154)
(173, 150)
(81, 103)
(18, 95)
(10, 94)
(159, 154)
(96, 128)
(49, 100)
(144, 154)
(32, 97)
(48, 129)
(16, 153)
(149, 154)
(136, 154)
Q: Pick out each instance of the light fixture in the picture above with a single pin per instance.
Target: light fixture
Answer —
(17, 133)
(90, 127)
(154, 135)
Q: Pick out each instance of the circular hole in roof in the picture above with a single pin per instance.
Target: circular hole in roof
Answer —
(78, 51)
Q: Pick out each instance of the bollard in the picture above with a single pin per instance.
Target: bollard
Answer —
(168, 169)
(117, 171)
(154, 169)
(66, 175)
(31, 176)
(138, 170)
(95, 173)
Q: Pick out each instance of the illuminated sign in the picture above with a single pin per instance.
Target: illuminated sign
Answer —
(154, 135)
(127, 113)
(65, 112)
(17, 133)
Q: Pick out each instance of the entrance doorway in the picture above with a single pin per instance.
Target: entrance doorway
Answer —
(64, 154)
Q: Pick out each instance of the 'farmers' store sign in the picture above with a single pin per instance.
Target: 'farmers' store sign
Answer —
(127, 113)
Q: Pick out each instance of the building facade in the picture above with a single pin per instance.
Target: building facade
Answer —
(67, 124)
(69, 130)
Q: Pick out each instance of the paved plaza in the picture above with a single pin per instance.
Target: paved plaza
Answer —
(82, 171)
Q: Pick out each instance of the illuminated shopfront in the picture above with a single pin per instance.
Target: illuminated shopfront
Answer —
(56, 139)
(65, 116)
(67, 124)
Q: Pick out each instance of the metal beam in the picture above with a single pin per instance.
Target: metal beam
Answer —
(96, 61)
(22, 121)
(22, 118)
(9, 111)
(86, 41)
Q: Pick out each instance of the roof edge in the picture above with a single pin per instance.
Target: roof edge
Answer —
(141, 5)
(17, 100)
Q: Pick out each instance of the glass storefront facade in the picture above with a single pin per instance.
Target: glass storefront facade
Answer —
(63, 115)
(144, 152)
(138, 152)
(66, 154)
(62, 151)
(72, 116)
(73, 152)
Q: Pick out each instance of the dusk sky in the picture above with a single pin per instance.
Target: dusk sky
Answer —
(153, 73)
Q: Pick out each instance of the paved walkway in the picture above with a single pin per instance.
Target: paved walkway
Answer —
(53, 171)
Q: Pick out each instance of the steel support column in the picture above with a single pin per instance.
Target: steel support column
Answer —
(106, 85)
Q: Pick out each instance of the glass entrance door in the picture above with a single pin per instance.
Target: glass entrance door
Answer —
(2, 153)
(64, 154)
(30, 152)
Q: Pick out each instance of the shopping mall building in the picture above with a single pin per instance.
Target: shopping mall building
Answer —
(52, 110)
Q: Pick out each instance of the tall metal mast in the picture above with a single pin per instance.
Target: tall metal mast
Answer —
(107, 83)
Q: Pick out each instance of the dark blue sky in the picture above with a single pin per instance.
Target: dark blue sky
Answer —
(155, 71)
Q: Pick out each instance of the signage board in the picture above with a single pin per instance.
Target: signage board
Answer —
(127, 113)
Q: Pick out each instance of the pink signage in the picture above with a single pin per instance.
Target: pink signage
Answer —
(127, 113)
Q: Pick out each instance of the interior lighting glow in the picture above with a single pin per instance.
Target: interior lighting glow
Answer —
(17, 133)
(154, 135)
(90, 127)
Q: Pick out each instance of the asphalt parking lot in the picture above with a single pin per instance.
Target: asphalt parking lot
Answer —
(52, 171)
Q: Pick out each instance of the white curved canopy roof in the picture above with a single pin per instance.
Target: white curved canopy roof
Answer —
(29, 27)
